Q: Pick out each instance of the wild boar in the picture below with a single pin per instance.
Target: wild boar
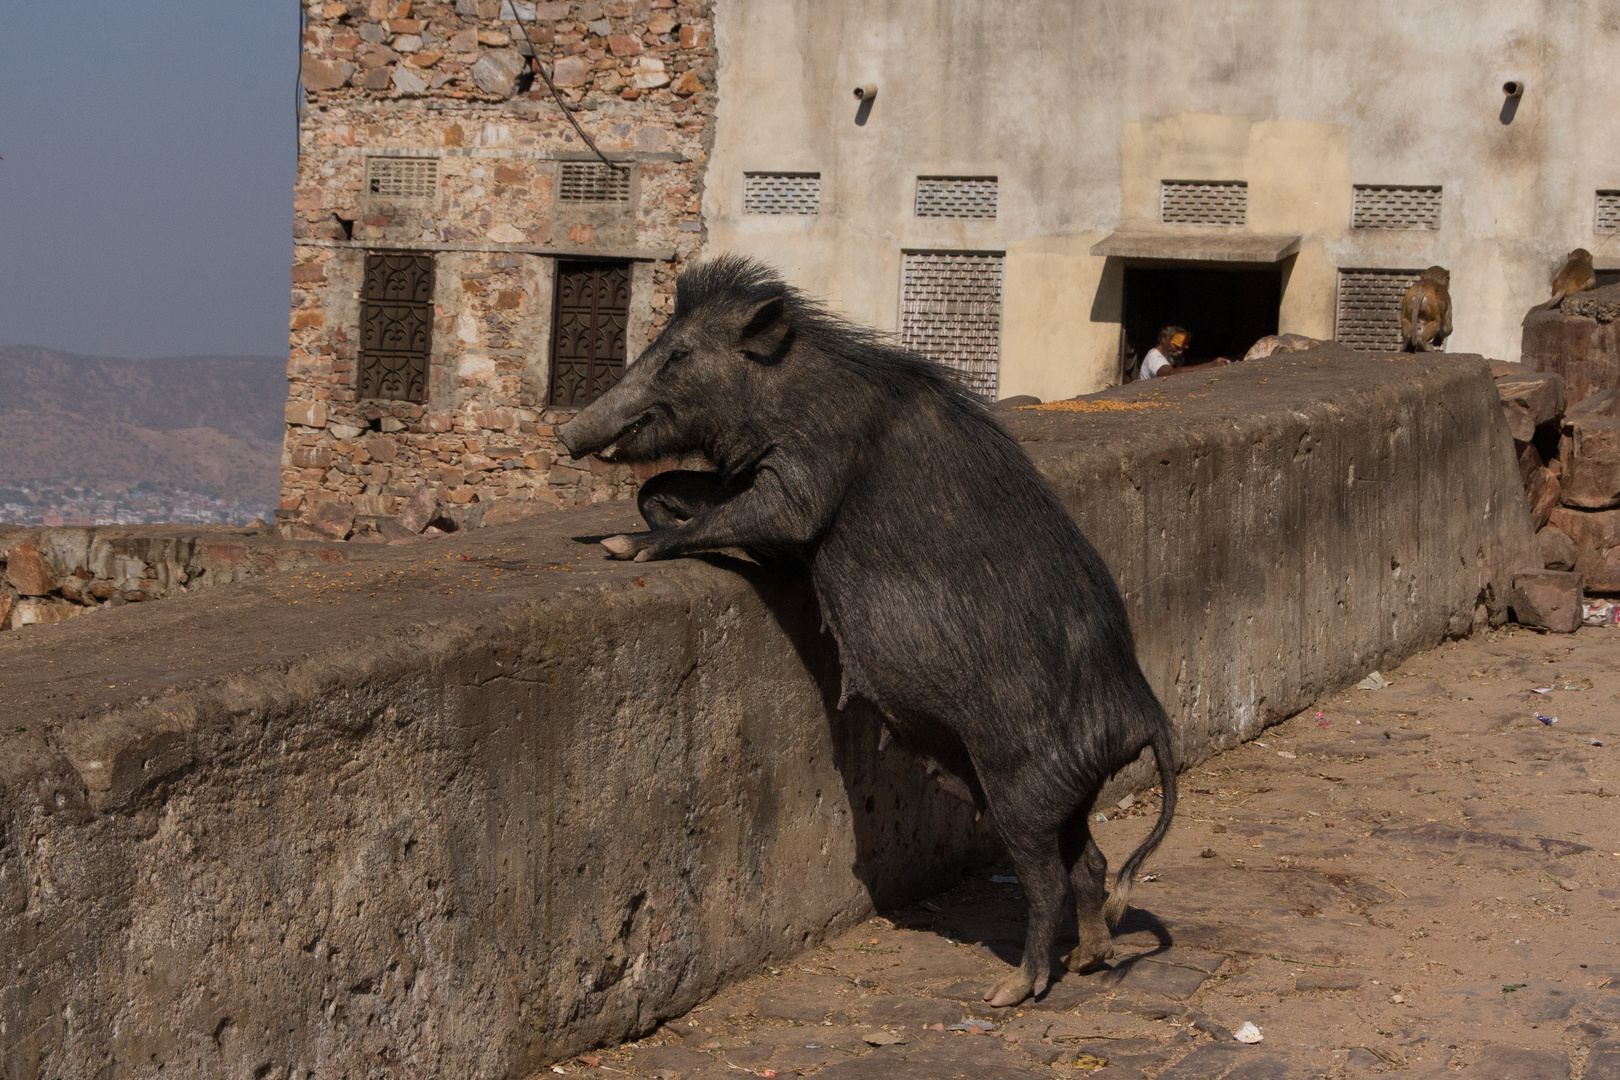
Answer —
(965, 603)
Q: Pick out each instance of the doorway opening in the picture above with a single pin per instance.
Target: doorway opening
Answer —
(1225, 310)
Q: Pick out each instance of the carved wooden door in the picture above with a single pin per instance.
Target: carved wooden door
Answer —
(588, 332)
(396, 326)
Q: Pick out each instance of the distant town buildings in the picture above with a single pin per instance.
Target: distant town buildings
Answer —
(57, 503)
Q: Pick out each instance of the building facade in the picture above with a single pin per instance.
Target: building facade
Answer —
(1026, 191)
(467, 267)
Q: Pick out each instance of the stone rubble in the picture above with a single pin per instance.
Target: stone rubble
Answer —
(51, 574)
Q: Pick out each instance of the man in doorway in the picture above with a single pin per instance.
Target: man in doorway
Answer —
(1165, 358)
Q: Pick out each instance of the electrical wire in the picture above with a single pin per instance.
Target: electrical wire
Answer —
(534, 63)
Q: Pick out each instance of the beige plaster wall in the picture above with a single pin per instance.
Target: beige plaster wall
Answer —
(1074, 106)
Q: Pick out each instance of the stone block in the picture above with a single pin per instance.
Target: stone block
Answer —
(1596, 536)
(1529, 462)
(324, 74)
(407, 81)
(650, 73)
(346, 431)
(624, 44)
(311, 457)
(1593, 481)
(1547, 599)
(329, 519)
(496, 72)
(422, 508)
(1529, 403)
(571, 71)
(7, 602)
(306, 413)
(1581, 342)
(1542, 492)
(1557, 549)
(28, 571)
(382, 449)
(688, 84)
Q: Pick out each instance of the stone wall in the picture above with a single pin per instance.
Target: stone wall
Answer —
(447, 84)
(469, 805)
(1579, 341)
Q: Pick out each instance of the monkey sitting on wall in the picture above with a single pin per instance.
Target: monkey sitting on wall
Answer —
(1576, 276)
(1426, 311)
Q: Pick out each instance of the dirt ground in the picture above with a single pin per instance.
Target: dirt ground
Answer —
(1422, 879)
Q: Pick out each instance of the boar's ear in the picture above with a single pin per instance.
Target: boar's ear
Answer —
(766, 330)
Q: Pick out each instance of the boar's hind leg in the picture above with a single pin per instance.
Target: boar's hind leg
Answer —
(1035, 853)
(1088, 875)
(674, 498)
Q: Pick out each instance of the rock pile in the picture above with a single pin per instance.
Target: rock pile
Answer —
(48, 575)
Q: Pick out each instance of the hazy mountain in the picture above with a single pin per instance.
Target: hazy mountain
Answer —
(209, 424)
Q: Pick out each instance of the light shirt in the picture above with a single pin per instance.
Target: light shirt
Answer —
(1153, 363)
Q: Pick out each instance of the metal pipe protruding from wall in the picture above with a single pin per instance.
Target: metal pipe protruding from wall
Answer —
(1513, 88)
(866, 91)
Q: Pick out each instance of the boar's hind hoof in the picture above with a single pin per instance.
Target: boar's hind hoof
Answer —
(621, 547)
(1083, 961)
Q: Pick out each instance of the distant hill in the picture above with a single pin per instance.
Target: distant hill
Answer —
(208, 424)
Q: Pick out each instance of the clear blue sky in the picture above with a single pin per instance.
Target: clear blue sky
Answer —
(146, 186)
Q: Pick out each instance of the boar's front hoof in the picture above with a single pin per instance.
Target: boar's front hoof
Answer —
(1013, 989)
(621, 547)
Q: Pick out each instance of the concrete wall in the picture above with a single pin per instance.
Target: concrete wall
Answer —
(1082, 108)
(462, 807)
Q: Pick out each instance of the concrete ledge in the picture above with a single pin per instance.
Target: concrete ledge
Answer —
(464, 807)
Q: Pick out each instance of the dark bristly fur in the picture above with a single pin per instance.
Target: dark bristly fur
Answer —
(966, 604)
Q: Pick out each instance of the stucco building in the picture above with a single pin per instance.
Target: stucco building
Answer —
(1024, 190)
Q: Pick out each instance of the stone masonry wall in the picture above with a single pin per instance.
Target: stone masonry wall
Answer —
(448, 82)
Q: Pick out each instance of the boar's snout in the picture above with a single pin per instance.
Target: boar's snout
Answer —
(602, 427)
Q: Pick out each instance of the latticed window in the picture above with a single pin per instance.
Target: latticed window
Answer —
(402, 179)
(1203, 202)
(396, 326)
(951, 313)
(782, 193)
(1384, 206)
(1370, 308)
(592, 182)
(956, 196)
(1608, 211)
(588, 332)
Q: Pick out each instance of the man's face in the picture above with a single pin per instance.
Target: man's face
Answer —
(1174, 346)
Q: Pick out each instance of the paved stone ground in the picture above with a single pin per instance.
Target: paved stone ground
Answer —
(1424, 881)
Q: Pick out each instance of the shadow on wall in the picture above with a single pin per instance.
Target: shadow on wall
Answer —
(868, 771)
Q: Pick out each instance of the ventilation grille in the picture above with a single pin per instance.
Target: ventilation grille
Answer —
(781, 193)
(1608, 211)
(951, 313)
(1370, 308)
(956, 196)
(1384, 207)
(1203, 202)
(593, 182)
(402, 179)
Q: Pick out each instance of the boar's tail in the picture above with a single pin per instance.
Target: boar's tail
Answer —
(1114, 909)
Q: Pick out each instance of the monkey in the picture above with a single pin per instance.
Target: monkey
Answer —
(1426, 312)
(1576, 276)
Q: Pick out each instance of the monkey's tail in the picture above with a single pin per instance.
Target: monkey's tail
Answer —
(1120, 895)
(1557, 299)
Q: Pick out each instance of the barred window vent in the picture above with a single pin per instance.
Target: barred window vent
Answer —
(951, 313)
(402, 179)
(1381, 206)
(781, 193)
(1203, 202)
(956, 196)
(1370, 308)
(593, 182)
(1608, 211)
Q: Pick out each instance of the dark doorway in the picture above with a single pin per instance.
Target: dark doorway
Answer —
(1226, 310)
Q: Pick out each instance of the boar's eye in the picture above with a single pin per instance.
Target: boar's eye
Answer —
(677, 356)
